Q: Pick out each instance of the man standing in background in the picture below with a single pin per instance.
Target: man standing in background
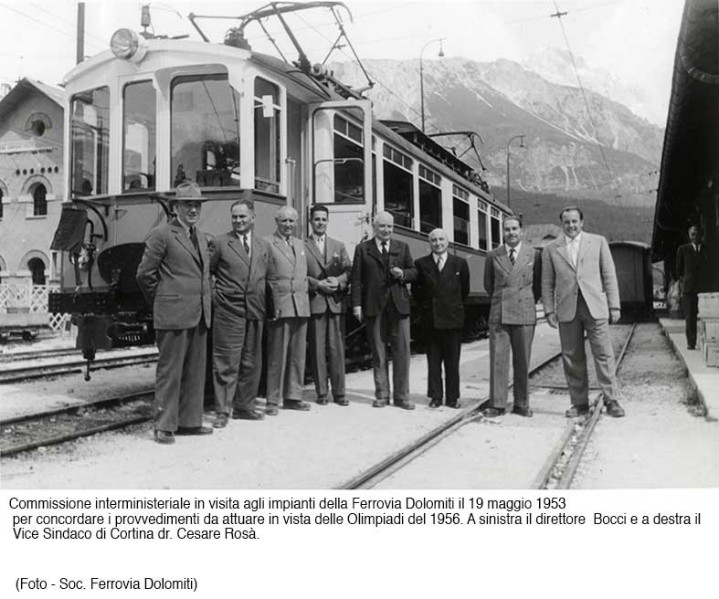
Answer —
(691, 267)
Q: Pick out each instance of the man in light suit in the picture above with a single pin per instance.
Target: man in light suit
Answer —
(512, 279)
(238, 260)
(381, 269)
(692, 269)
(287, 327)
(174, 276)
(440, 289)
(580, 293)
(328, 269)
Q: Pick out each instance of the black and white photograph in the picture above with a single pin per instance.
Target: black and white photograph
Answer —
(329, 252)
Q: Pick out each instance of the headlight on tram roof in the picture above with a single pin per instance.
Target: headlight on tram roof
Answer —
(128, 45)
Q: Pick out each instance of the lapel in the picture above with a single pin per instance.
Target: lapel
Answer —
(562, 251)
(523, 258)
(238, 248)
(182, 236)
(503, 259)
(374, 252)
(315, 251)
(284, 249)
(584, 246)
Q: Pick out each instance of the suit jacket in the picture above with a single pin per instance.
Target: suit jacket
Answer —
(514, 289)
(594, 276)
(441, 295)
(287, 279)
(240, 279)
(174, 279)
(373, 285)
(335, 262)
(692, 268)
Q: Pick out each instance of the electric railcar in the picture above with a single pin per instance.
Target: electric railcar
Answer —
(150, 113)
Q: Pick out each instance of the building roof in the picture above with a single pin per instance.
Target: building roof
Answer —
(26, 85)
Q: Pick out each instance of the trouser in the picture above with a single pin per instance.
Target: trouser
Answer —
(180, 377)
(390, 327)
(690, 306)
(248, 381)
(445, 346)
(326, 336)
(503, 338)
(286, 348)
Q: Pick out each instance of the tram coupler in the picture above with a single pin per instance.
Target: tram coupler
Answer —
(92, 334)
(89, 355)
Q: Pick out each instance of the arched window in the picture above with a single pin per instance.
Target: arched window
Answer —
(37, 269)
(39, 201)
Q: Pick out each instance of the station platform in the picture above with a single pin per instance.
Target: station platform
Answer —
(704, 378)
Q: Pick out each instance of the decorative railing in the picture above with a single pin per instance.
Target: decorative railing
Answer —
(29, 298)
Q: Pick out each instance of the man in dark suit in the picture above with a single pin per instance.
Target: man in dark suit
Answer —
(287, 327)
(580, 293)
(512, 279)
(381, 269)
(328, 269)
(174, 276)
(691, 267)
(238, 260)
(440, 289)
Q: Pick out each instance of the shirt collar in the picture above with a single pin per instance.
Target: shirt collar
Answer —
(318, 238)
(247, 234)
(568, 240)
(516, 248)
(440, 257)
(379, 244)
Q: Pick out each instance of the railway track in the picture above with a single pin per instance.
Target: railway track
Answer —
(556, 473)
(19, 369)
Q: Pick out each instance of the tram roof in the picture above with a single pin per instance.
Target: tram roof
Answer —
(691, 140)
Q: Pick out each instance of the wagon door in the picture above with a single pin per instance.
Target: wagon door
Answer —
(341, 167)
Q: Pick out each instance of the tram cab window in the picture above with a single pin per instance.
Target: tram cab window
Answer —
(205, 143)
(349, 175)
(139, 127)
(430, 200)
(482, 222)
(89, 130)
(398, 186)
(267, 113)
(496, 227)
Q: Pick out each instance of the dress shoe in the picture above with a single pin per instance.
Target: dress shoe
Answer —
(296, 404)
(379, 403)
(342, 401)
(576, 411)
(455, 405)
(493, 412)
(525, 411)
(164, 437)
(435, 403)
(322, 401)
(244, 415)
(194, 430)
(404, 404)
(271, 410)
(614, 409)
(221, 420)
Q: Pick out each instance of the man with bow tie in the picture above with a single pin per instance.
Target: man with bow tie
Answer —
(238, 260)
(328, 269)
(174, 276)
(288, 315)
(512, 279)
(441, 287)
(691, 270)
(580, 294)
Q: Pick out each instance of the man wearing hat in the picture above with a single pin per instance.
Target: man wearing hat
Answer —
(174, 276)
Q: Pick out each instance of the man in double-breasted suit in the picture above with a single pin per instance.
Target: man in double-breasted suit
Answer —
(692, 269)
(289, 311)
(174, 276)
(381, 269)
(328, 269)
(512, 279)
(440, 289)
(580, 293)
(238, 261)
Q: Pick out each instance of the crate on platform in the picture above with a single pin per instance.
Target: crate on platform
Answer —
(711, 354)
(709, 329)
(709, 305)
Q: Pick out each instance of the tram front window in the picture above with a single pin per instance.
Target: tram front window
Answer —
(205, 131)
(89, 129)
(267, 111)
(139, 125)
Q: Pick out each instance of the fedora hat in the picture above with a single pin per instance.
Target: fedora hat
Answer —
(186, 191)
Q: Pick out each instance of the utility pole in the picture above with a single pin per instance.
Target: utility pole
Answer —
(80, 52)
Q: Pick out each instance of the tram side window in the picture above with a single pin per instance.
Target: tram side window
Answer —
(482, 238)
(90, 128)
(205, 131)
(267, 136)
(139, 127)
(398, 187)
(430, 200)
(461, 221)
(496, 228)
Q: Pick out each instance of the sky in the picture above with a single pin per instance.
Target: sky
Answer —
(635, 40)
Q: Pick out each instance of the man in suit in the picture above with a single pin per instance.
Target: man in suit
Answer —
(287, 327)
(580, 293)
(174, 276)
(238, 260)
(381, 269)
(691, 267)
(328, 269)
(512, 279)
(441, 286)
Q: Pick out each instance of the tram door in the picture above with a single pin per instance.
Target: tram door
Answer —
(341, 167)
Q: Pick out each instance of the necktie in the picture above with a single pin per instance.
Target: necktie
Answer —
(193, 239)
(246, 245)
(511, 255)
(440, 263)
(292, 245)
(385, 255)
